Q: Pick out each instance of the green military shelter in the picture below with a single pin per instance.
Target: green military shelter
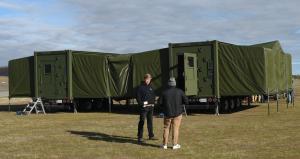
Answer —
(207, 71)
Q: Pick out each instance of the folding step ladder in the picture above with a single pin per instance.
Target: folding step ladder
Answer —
(37, 105)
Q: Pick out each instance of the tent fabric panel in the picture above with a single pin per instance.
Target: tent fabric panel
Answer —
(89, 76)
(21, 77)
(120, 75)
(154, 62)
(271, 76)
(241, 70)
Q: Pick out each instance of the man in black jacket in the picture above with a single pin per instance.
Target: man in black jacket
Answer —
(146, 100)
(172, 101)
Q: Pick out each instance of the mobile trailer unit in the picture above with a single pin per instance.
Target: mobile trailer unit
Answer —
(207, 71)
(89, 79)
(60, 76)
(227, 73)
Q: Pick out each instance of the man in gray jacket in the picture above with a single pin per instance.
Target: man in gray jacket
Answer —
(172, 101)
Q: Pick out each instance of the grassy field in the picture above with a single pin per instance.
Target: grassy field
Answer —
(250, 133)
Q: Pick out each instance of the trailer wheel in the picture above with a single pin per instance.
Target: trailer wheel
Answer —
(238, 102)
(85, 105)
(226, 105)
(221, 106)
(232, 104)
(98, 104)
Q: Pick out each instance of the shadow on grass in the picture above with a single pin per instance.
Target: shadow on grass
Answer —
(11, 108)
(48, 109)
(122, 109)
(128, 109)
(212, 111)
(109, 138)
(134, 109)
(116, 109)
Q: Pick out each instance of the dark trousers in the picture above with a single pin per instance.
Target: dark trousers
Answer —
(146, 112)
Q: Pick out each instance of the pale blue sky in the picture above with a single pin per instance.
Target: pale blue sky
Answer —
(138, 25)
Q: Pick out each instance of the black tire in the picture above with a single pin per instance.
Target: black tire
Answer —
(98, 104)
(226, 105)
(84, 105)
(231, 104)
(238, 103)
(221, 106)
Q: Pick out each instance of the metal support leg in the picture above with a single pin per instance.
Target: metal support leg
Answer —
(184, 108)
(268, 103)
(9, 104)
(75, 108)
(293, 97)
(287, 99)
(109, 104)
(249, 103)
(43, 108)
(277, 104)
(217, 108)
(37, 105)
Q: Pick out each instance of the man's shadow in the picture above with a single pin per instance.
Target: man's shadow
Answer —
(109, 138)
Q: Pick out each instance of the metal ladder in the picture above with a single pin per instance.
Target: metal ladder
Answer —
(37, 105)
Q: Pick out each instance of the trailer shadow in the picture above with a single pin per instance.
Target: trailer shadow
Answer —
(12, 108)
(109, 138)
(120, 109)
(123, 109)
(20, 107)
(134, 110)
(212, 111)
(242, 108)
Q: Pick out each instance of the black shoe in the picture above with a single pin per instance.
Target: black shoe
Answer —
(140, 141)
(152, 138)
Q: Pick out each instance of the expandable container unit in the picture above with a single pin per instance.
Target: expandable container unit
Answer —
(85, 76)
(210, 73)
(228, 73)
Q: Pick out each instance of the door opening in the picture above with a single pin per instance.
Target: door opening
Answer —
(187, 77)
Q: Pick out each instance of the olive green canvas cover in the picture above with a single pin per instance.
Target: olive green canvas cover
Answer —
(89, 75)
(288, 68)
(21, 77)
(256, 69)
(270, 72)
(119, 75)
(100, 75)
(279, 69)
(154, 62)
(241, 70)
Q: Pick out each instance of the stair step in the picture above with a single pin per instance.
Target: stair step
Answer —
(35, 106)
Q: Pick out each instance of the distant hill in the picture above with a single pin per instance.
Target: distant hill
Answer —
(3, 71)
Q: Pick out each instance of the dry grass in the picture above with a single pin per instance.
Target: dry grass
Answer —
(3, 83)
(246, 134)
